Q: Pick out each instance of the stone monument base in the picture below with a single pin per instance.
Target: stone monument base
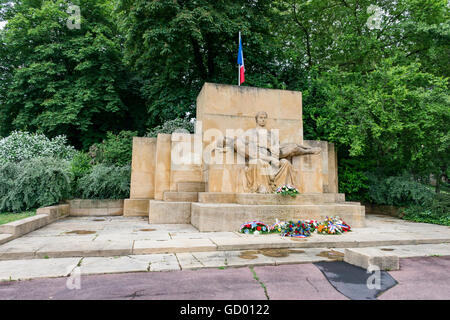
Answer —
(229, 217)
(212, 213)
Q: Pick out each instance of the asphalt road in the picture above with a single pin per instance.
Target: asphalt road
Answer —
(419, 278)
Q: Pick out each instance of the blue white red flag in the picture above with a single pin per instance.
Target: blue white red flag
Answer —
(240, 61)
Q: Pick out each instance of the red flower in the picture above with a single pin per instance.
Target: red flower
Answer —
(258, 228)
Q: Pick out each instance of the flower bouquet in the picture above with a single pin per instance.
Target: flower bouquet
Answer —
(333, 225)
(300, 229)
(287, 190)
(278, 226)
(312, 225)
(254, 227)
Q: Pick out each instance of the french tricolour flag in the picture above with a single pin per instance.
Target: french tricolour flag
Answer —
(241, 62)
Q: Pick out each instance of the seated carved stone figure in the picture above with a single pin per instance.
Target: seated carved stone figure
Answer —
(268, 164)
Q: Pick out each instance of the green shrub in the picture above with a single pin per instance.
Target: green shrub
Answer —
(353, 180)
(441, 204)
(8, 175)
(35, 183)
(438, 212)
(401, 190)
(20, 146)
(176, 125)
(106, 182)
(80, 166)
(115, 149)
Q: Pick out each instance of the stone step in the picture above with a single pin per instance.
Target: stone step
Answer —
(174, 196)
(169, 212)
(97, 207)
(217, 197)
(136, 207)
(6, 237)
(372, 257)
(300, 199)
(191, 187)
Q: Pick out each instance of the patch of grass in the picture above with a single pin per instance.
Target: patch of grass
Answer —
(10, 217)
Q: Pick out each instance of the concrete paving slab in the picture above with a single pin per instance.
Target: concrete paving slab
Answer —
(249, 243)
(161, 262)
(178, 228)
(188, 261)
(132, 236)
(21, 248)
(203, 235)
(37, 268)
(419, 250)
(104, 265)
(215, 259)
(158, 262)
(239, 260)
(53, 239)
(310, 255)
(172, 246)
(85, 249)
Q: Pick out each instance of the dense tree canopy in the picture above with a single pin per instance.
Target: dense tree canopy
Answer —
(178, 45)
(60, 80)
(374, 73)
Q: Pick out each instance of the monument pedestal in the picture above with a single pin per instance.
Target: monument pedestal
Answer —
(212, 214)
(201, 178)
(229, 217)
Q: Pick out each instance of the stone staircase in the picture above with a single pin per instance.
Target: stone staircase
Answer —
(218, 211)
(176, 205)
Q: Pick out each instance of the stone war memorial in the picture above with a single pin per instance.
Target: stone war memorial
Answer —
(247, 143)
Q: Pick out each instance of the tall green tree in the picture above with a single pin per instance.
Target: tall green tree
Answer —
(378, 89)
(178, 45)
(61, 79)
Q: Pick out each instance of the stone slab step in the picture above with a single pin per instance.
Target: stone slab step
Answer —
(191, 187)
(217, 197)
(173, 246)
(167, 212)
(5, 237)
(24, 226)
(136, 207)
(89, 248)
(372, 257)
(90, 207)
(180, 196)
(304, 198)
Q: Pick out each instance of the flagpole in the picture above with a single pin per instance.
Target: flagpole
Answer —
(239, 67)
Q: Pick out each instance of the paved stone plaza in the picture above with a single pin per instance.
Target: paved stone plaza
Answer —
(100, 245)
